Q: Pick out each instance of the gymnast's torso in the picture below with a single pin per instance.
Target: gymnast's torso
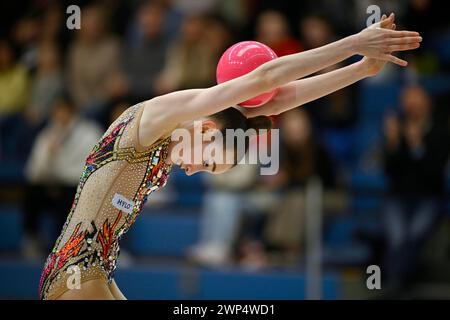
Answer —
(117, 178)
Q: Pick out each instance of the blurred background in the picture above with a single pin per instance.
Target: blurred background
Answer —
(364, 176)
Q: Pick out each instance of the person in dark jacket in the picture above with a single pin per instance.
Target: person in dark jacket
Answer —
(416, 152)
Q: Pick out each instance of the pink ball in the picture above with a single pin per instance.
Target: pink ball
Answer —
(242, 58)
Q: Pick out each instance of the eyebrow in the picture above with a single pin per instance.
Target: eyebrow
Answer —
(214, 167)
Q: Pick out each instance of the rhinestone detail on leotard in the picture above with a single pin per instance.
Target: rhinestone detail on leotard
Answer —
(94, 245)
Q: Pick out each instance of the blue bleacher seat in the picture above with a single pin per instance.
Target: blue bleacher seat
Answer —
(376, 98)
(11, 172)
(19, 279)
(150, 282)
(163, 234)
(352, 254)
(189, 189)
(229, 284)
(364, 180)
(10, 228)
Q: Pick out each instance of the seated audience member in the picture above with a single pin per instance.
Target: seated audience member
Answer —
(272, 29)
(229, 195)
(94, 74)
(190, 60)
(302, 158)
(47, 84)
(14, 81)
(53, 169)
(14, 88)
(145, 56)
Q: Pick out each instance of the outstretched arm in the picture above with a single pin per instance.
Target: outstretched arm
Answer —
(174, 108)
(303, 91)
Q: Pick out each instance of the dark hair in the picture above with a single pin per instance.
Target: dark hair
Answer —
(65, 98)
(232, 118)
(10, 45)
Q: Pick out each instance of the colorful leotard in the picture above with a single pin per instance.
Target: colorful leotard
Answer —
(118, 176)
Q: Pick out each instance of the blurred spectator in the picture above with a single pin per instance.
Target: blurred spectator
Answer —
(195, 7)
(173, 18)
(191, 61)
(315, 31)
(14, 80)
(46, 85)
(338, 110)
(53, 168)
(302, 158)
(272, 29)
(336, 114)
(26, 35)
(224, 204)
(145, 56)
(120, 13)
(53, 27)
(335, 117)
(415, 155)
(218, 36)
(94, 63)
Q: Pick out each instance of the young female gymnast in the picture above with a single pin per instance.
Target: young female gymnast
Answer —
(132, 159)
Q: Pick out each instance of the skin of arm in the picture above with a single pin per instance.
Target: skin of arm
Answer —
(170, 110)
(303, 91)
(300, 92)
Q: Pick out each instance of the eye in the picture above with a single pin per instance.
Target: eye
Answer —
(205, 164)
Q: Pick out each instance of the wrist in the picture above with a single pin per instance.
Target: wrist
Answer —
(352, 44)
(363, 68)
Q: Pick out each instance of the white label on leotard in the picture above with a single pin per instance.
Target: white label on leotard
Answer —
(122, 203)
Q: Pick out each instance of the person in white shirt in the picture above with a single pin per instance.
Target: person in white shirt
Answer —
(53, 168)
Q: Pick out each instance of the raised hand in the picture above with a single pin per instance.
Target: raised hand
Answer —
(374, 66)
(381, 39)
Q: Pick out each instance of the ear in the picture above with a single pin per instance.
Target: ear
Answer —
(208, 125)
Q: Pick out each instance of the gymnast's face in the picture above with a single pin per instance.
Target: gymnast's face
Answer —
(195, 153)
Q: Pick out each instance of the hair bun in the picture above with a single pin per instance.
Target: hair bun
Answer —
(259, 123)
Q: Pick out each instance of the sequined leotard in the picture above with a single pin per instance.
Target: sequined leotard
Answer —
(118, 176)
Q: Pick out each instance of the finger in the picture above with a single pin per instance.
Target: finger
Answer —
(392, 16)
(389, 26)
(384, 22)
(394, 59)
(379, 24)
(400, 41)
(405, 47)
(390, 19)
(402, 34)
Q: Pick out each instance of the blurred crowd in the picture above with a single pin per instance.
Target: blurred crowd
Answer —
(60, 89)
